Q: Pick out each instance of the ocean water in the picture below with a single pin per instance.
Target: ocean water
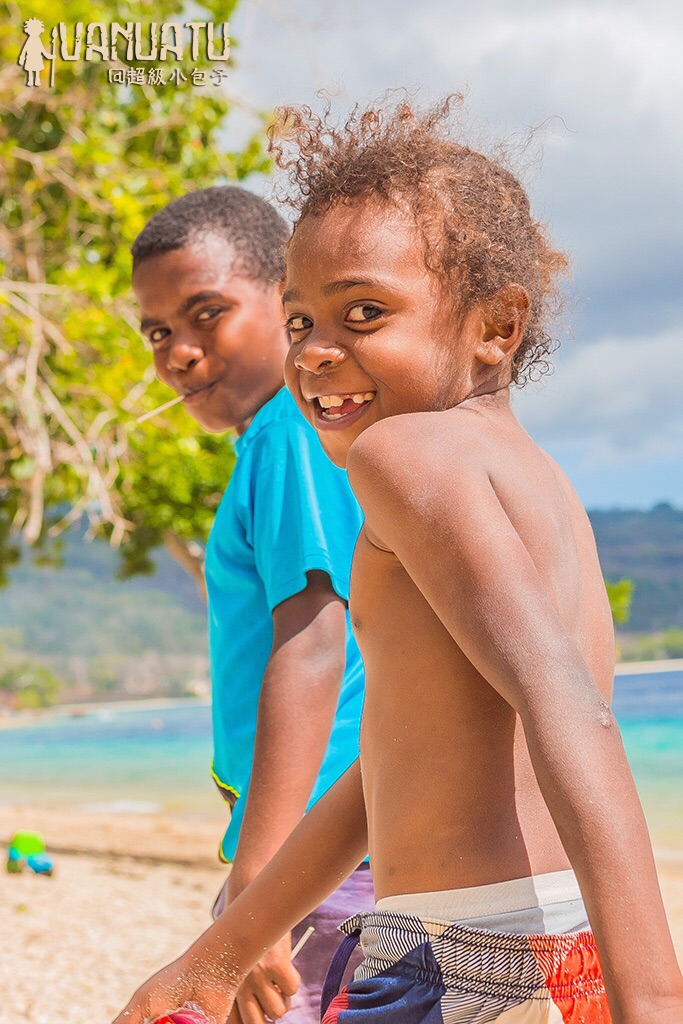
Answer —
(649, 707)
(116, 760)
(158, 759)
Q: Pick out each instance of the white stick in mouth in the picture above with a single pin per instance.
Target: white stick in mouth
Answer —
(160, 408)
(302, 941)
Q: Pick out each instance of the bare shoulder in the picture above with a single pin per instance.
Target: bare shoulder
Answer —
(412, 437)
(415, 457)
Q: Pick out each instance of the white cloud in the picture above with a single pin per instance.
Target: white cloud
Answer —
(617, 400)
(608, 183)
(611, 71)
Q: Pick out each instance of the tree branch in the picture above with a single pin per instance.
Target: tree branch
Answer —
(190, 556)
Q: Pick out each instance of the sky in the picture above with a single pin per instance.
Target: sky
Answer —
(602, 82)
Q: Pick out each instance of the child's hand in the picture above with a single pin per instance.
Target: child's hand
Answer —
(195, 977)
(266, 991)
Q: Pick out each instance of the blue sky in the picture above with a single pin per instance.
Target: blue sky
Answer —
(606, 80)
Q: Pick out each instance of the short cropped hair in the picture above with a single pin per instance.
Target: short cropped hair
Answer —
(254, 229)
(473, 213)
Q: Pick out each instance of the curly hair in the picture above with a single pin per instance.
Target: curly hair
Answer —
(473, 214)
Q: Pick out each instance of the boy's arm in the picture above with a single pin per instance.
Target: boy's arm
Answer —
(481, 582)
(297, 705)
(327, 845)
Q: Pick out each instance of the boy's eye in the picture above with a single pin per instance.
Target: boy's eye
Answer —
(298, 323)
(208, 314)
(158, 334)
(363, 313)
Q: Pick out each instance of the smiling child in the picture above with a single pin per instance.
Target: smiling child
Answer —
(492, 792)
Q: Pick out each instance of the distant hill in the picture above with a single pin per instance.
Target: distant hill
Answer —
(646, 547)
(82, 610)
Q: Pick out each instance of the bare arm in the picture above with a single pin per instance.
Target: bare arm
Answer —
(483, 585)
(325, 848)
(297, 705)
(298, 701)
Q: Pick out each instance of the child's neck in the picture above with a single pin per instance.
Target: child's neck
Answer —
(489, 394)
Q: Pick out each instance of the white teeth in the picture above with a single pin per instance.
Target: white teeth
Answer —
(334, 415)
(334, 401)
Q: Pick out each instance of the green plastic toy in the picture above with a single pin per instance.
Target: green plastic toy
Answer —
(28, 848)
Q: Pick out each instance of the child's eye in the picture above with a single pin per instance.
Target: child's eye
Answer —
(363, 313)
(298, 323)
(208, 314)
(158, 335)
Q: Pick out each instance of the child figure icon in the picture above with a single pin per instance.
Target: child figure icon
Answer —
(33, 51)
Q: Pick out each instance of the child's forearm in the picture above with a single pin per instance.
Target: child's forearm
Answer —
(324, 849)
(305, 670)
(584, 775)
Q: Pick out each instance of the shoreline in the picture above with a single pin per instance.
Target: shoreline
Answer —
(634, 668)
(143, 704)
(34, 716)
(84, 709)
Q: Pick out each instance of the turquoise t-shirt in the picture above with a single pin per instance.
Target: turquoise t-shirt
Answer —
(287, 510)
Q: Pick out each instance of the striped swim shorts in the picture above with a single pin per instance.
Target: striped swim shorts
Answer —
(422, 971)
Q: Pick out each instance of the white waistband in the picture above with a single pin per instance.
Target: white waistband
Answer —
(486, 900)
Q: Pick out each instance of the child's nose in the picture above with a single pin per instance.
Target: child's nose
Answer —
(317, 357)
(184, 354)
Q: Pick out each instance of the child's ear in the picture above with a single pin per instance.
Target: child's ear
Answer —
(504, 318)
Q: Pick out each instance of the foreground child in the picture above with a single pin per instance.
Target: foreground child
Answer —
(491, 763)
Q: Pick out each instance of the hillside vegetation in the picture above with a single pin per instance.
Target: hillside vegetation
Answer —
(646, 547)
(145, 635)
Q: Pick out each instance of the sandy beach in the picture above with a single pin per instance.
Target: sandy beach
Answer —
(128, 894)
(132, 820)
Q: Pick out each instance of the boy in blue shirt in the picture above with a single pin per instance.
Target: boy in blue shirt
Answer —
(287, 677)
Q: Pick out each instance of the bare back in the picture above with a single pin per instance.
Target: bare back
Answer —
(451, 797)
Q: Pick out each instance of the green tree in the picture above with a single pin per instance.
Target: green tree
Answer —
(620, 594)
(83, 166)
(30, 685)
(672, 642)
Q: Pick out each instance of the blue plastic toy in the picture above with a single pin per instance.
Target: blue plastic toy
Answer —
(40, 863)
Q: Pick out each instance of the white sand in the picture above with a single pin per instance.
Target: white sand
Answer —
(74, 947)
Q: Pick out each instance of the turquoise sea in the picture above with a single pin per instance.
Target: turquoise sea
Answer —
(157, 759)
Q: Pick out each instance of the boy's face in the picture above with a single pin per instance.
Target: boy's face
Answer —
(372, 333)
(216, 337)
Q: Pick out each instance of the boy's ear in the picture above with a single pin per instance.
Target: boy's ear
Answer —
(504, 319)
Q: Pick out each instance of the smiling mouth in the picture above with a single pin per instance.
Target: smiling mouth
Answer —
(338, 407)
